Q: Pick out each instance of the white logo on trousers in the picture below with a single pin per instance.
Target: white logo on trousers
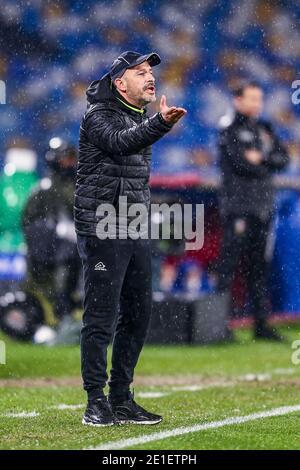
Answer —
(100, 266)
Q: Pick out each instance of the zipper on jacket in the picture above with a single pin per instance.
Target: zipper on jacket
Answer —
(121, 186)
(118, 191)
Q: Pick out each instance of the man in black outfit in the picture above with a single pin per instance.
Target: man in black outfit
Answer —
(114, 160)
(250, 152)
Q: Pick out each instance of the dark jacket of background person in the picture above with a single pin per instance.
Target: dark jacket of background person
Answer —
(50, 203)
(114, 154)
(54, 267)
(247, 188)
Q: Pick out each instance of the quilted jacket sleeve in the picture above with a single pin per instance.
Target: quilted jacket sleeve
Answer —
(106, 131)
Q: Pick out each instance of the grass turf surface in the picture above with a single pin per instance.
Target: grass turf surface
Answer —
(223, 369)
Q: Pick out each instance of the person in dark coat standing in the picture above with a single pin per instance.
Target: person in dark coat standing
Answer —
(116, 135)
(53, 264)
(250, 152)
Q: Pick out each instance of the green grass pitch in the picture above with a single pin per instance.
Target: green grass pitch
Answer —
(197, 389)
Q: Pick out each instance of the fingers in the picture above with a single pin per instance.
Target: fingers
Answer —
(172, 114)
(178, 116)
(182, 109)
(176, 112)
(172, 110)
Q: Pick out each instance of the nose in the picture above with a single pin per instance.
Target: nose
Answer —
(152, 78)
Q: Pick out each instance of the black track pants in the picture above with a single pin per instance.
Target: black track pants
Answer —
(117, 296)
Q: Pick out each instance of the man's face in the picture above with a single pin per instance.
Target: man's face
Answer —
(138, 84)
(251, 102)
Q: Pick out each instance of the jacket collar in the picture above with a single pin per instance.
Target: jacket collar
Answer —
(103, 91)
(128, 106)
(242, 118)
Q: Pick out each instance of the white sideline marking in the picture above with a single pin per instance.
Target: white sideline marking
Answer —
(197, 388)
(184, 388)
(63, 406)
(157, 436)
(22, 414)
(288, 371)
(152, 394)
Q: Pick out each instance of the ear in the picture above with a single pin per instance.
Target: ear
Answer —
(120, 84)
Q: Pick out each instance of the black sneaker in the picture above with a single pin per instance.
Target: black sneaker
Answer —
(98, 413)
(129, 412)
(268, 333)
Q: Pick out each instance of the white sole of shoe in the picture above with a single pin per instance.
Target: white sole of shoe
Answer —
(139, 422)
(97, 425)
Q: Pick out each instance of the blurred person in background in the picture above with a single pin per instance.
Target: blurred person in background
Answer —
(53, 262)
(250, 152)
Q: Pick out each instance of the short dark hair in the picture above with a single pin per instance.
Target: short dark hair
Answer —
(241, 86)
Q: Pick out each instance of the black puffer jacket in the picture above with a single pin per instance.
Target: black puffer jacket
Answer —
(114, 153)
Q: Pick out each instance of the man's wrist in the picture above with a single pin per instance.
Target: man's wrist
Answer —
(163, 121)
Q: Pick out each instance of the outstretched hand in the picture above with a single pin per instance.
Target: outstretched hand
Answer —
(171, 114)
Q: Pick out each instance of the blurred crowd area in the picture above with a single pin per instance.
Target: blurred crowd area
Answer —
(51, 50)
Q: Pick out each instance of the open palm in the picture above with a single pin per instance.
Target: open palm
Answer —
(171, 114)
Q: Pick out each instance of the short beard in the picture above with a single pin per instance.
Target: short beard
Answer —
(148, 101)
(141, 100)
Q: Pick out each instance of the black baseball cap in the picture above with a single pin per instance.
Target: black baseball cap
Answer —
(129, 59)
